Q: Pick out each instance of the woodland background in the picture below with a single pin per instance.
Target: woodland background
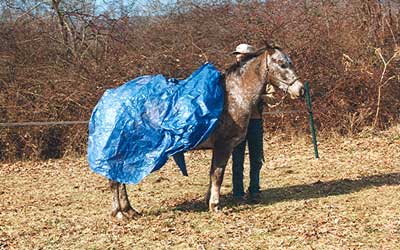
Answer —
(57, 57)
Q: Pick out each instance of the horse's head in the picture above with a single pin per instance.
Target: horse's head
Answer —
(281, 72)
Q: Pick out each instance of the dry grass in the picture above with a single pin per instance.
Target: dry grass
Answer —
(349, 199)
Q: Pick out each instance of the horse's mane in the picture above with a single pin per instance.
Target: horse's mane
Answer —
(235, 68)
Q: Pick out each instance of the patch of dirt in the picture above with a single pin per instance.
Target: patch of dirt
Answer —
(348, 199)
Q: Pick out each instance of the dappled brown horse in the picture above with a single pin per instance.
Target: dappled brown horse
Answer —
(244, 84)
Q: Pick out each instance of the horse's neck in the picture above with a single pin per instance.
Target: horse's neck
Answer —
(244, 88)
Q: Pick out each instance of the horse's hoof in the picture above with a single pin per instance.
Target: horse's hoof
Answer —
(114, 214)
(131, 213)
(119, 216)
(214, 208)
(127, 214)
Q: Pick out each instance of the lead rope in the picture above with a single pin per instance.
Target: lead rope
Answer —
(270, 95)
(285, 91)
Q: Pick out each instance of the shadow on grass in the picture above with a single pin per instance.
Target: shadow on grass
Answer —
(302, 192)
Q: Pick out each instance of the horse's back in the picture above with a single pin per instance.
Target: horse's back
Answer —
(137, 126)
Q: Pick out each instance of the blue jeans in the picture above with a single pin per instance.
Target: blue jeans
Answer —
(254, 138)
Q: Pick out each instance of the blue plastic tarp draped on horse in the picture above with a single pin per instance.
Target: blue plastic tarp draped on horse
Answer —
(135, 128)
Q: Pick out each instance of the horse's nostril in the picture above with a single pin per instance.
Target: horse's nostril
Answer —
(302, 92)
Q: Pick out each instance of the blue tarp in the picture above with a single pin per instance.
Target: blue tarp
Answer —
(135, 128)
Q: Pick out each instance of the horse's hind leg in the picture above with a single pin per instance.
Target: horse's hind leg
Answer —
(126, 207)
(218, 164)
(121, 206)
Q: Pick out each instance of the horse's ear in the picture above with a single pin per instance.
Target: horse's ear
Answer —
(271, 47)
(277, 46)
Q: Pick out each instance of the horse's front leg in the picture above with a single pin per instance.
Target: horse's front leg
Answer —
(218, 164)
(121, 206)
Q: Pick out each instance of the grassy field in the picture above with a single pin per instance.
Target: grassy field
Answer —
(348, 199)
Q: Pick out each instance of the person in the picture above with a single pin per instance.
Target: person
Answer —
(254, 140)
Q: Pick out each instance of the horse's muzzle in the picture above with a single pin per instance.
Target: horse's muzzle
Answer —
(296, 90)
(302, 92)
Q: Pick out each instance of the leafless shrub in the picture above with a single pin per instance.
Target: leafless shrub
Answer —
(56, 61)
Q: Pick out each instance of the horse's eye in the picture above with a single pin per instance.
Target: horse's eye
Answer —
(284, 66)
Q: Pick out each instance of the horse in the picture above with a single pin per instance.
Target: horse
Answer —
(243, 84)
